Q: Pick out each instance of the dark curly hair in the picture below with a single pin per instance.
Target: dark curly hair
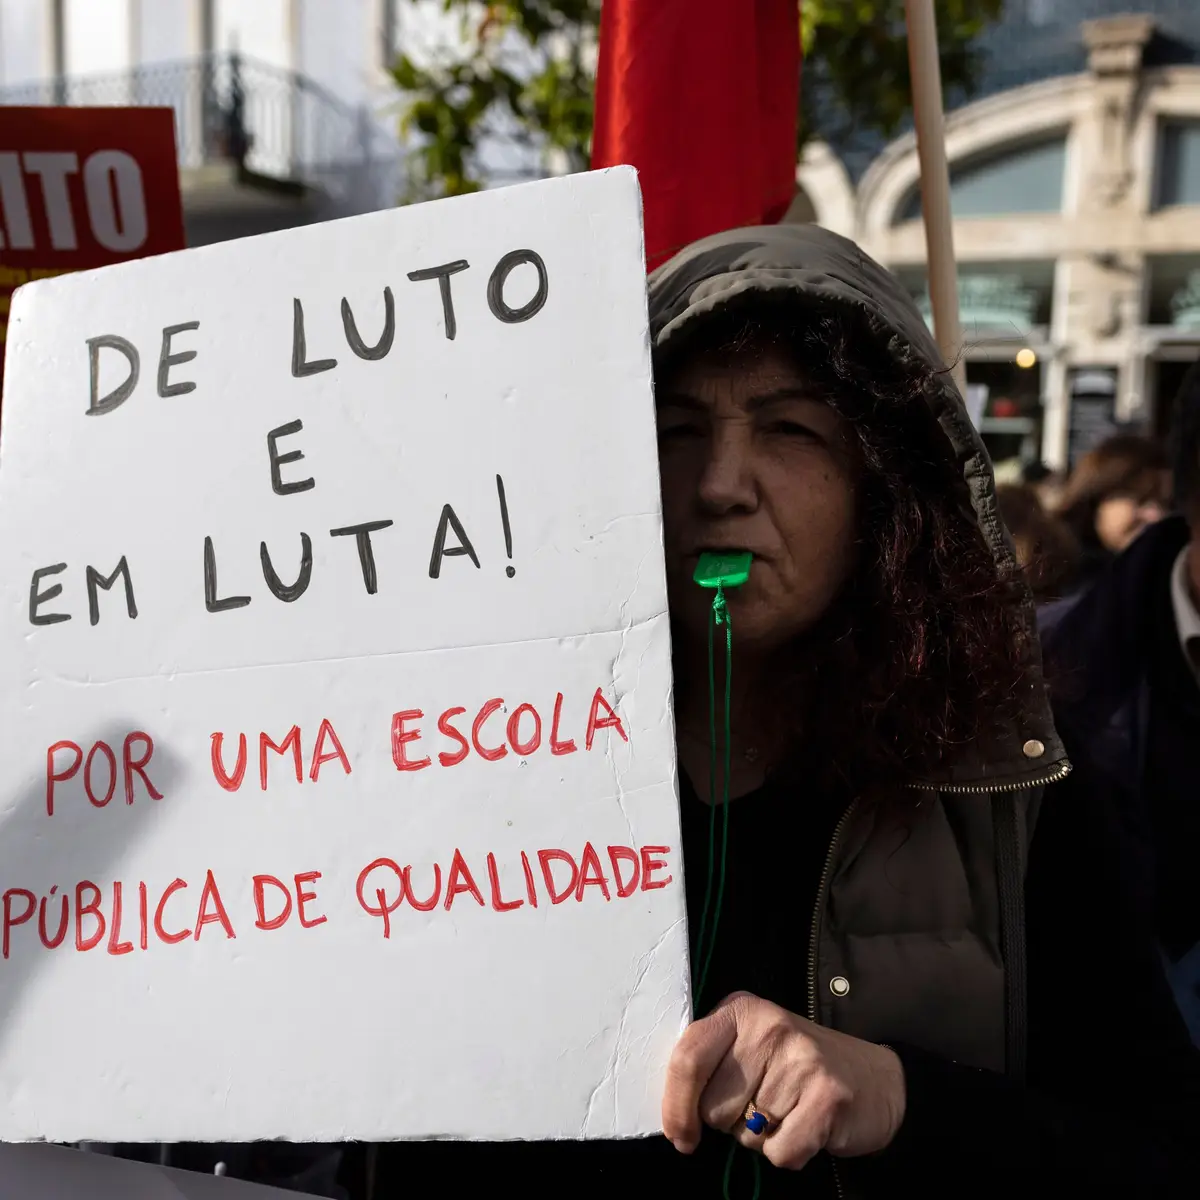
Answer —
(924, 649)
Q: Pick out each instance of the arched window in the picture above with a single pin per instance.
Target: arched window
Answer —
(1021, 179)
(1178, 163)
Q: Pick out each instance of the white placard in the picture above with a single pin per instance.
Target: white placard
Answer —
(448, 655)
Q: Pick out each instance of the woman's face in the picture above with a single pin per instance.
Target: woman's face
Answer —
(752, 461)
(1119, 519)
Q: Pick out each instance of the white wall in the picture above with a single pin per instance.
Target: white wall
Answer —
(24, 53)
(336, 46)
(260, 28)
(96, 37)
(164, 30)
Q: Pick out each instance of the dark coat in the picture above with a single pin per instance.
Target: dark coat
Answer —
(1123, 690)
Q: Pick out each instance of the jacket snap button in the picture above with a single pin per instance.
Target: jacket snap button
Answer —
(1033, 748)
(839, 985)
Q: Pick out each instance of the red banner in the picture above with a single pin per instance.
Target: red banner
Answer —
(701, 96)
(83, 187)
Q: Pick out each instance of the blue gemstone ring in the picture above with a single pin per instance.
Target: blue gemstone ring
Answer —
(756, 1120)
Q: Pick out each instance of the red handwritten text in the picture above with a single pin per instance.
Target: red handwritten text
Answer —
(492, 736)
(100, 774)
(169, 915)
(384, 885)
(326, 748)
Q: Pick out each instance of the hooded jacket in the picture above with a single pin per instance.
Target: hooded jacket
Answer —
(920, 920)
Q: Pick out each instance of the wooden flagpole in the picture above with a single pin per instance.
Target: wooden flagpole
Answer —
(929, 122)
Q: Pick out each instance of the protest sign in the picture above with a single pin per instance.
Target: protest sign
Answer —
(41, 1172)
(338, 752)
(83, 187)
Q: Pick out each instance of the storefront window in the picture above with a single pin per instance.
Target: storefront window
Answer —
(1174, 298)
(1004, 309)
(995, 300)
(1011, 418)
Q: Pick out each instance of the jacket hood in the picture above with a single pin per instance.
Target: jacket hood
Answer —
(805, 262)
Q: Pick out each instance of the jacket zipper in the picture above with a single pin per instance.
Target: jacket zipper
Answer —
(814, 936)
(1061, 771)
(815, 929)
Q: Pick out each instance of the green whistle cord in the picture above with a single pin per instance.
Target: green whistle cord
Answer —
(719, 570)
(704, 954)
(729, 1161)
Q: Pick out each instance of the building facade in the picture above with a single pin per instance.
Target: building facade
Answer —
(1075, 181)
(284, 111)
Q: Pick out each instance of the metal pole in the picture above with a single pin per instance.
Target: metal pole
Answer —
(58, 49)
(935, 183)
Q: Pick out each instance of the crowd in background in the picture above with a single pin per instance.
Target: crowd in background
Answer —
(1112, 555)
(1067, 528)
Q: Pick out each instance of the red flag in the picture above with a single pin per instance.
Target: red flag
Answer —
(701, 96)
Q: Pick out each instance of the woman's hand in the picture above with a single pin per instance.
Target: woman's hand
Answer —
(822, 1090)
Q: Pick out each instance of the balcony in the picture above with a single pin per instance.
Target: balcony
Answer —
(259, 147)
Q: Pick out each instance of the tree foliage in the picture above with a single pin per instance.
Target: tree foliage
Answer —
(522, 73)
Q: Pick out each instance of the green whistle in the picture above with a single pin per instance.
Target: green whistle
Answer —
(723, 570)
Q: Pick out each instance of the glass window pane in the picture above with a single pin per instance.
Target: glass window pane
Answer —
(1179, 163)
(1024, 180)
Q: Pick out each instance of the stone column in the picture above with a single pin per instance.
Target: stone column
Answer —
(1102, 285)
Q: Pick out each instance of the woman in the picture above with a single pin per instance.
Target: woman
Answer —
(1113, 493)
(924, 973)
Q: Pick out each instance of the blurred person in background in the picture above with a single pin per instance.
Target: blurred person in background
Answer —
(1046, 483)
(1114, 492)
(1047, 551)
(1124, 661)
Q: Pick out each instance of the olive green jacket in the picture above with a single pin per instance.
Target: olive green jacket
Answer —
(918, 934)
